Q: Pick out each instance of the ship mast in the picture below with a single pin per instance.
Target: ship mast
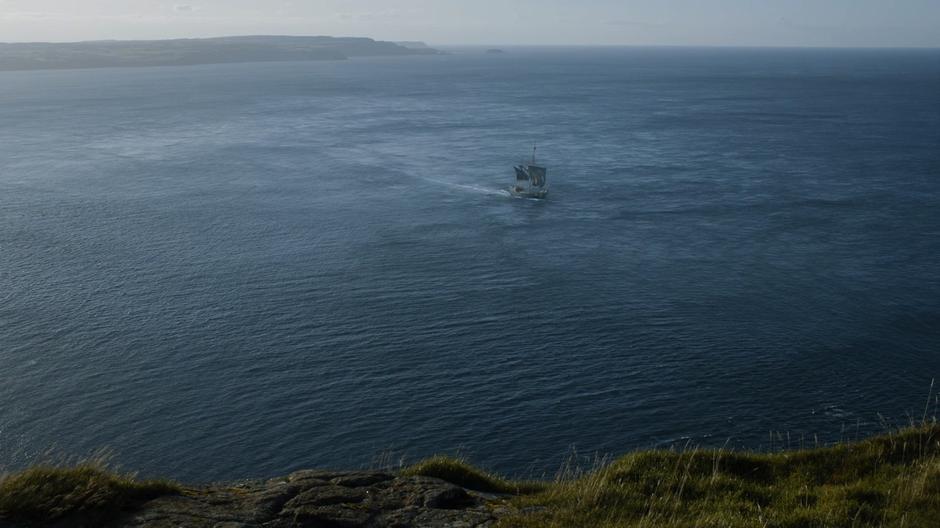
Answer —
(534, 146)
(533, 175)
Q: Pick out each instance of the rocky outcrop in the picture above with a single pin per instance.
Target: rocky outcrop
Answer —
(321, 499)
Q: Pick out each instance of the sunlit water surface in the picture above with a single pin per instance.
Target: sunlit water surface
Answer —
(239, 270)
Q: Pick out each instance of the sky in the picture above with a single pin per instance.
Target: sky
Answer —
(489, 22)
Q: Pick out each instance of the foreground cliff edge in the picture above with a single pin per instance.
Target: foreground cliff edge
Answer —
(891, 480)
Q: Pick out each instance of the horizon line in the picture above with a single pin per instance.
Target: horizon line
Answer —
(499, 45)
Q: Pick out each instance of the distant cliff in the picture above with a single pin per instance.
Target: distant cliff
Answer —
(413, 44)
(181, 52)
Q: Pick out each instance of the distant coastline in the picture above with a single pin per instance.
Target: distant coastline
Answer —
(185, 52)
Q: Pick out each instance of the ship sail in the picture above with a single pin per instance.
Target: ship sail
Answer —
(534, 176)
(537, 174)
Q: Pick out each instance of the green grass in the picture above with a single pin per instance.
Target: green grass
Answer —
(44, 494)
(888, 481)
(461, 473)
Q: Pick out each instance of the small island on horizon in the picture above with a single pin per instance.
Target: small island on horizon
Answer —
(189, 52)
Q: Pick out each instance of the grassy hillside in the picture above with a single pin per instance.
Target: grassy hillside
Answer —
(45, 494)
(888, 481)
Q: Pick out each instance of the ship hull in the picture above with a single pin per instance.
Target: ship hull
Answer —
(537, 195)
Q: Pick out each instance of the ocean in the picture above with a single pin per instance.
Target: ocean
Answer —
(232, 271)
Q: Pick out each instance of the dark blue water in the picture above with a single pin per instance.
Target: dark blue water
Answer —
(240, 270)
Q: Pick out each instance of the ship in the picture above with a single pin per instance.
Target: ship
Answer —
(531, 180)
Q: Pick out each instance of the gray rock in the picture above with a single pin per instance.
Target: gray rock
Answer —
(337, 515)
(355, 480)
(319, 499)
(426, 492)
(325, 496)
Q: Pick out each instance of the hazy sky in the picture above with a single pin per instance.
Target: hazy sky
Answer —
(679, 22)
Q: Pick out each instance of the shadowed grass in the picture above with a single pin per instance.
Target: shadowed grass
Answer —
(461, 473)
(889, 481)
(45, 494)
